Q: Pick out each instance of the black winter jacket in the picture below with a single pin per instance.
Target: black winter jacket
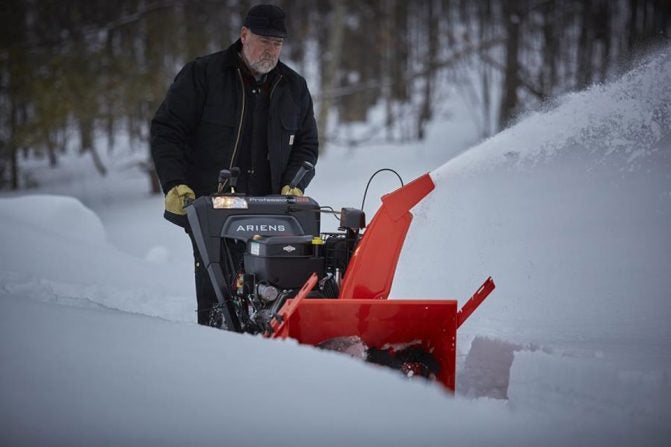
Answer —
(197, 129)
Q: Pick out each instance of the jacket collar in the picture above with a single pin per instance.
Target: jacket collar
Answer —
(231, 54)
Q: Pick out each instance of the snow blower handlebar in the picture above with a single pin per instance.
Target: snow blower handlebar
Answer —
(304, 169)
(229, 177)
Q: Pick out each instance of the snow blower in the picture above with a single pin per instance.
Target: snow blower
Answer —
(275, 273)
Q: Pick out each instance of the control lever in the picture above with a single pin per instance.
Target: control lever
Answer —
(229, 177)
(235, 173)
(224, 176)
(304, 169)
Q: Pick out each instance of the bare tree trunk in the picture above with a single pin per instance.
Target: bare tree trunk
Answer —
(401, 51)
(87, 145)
(661, 18)
(97, 162)
(602, 23)
(389, 55)
(485, 27)
(633, 24)
(15, 168)
(13, 149)
(51, 151)
(154, 182)
(150, 170)
(425, 113)
(509, 101)
(548, 78)
(336, 35)
(585, 47)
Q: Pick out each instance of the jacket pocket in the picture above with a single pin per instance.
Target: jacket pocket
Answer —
(283, 136)
(289, 121)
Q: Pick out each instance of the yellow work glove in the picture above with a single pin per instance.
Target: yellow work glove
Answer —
(289, 191)
(177, 198)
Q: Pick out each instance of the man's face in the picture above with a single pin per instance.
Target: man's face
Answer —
(261, 53)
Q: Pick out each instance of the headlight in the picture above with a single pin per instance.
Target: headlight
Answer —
(229, 202)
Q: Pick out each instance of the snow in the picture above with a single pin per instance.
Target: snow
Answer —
(568, 210)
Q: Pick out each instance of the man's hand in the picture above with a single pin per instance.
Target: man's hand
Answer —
(177, 198)
(289, 191)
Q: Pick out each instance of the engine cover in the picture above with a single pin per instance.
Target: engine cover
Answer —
(283, 261)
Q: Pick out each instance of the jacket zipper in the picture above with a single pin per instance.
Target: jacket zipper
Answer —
(242, 116)
(272, 90)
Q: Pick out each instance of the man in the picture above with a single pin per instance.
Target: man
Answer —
(240, 107)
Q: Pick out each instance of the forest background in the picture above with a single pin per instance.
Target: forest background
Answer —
(88, 75)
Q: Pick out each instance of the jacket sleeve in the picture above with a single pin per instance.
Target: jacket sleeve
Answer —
(306, 144)
(174, 123)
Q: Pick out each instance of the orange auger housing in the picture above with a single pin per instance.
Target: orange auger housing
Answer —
(362, 308)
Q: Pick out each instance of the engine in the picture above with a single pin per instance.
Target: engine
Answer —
(259, 251)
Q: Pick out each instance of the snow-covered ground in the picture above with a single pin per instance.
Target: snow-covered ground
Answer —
(569, 211)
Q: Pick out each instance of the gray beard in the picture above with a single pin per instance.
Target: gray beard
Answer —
(262, 66)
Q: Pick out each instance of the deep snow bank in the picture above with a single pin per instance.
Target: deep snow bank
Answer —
(91, 376)
(55, 249)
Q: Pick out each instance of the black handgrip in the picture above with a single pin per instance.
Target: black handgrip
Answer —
(224, 175)
(304, 169)
(235, 173)
(186, 201)
(229, 177)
